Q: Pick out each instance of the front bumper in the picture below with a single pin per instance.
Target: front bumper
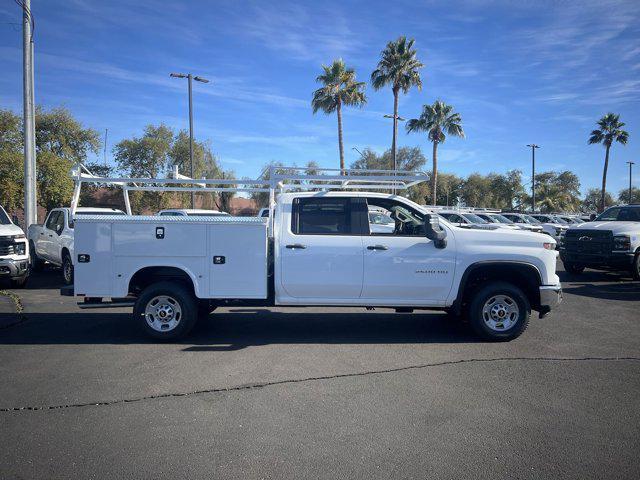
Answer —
(550, 297)
(614, 260)
(10, 268)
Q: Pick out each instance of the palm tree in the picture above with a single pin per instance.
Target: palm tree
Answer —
(398, 67)
(340, 88)
(438, 120)
(610, 131)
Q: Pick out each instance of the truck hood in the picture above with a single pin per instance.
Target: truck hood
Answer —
(502, 236)
(617, 228)
(6, 230)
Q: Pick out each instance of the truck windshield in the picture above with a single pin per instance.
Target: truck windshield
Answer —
(530, 219)
(473, 218)
(620, 214)
(501, 218)
(4, 218)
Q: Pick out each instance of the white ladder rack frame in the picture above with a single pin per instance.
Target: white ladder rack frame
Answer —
(331, 179)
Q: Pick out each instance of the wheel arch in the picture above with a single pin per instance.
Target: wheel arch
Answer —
(524, 275)
(150, 274)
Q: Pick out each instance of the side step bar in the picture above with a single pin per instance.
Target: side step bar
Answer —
(119, 304)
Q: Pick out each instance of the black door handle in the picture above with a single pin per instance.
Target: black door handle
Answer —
(296, 245)
(377, 247)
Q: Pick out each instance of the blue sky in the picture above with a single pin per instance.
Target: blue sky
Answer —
(517, 72)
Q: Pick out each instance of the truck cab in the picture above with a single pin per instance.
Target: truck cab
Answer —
(14, 252)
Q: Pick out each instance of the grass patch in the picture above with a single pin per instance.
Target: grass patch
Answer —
(15, 298)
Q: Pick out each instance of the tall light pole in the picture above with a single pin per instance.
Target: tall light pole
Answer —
(29, 128)
(354, 148)
(630, 166)
(190, 79)
(396, 119)
(533, 147)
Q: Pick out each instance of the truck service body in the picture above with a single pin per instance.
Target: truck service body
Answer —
(316, 249)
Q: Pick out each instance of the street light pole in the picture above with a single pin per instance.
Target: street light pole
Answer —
(29, 130)
(354, 148)
(190, 79)
(396, 119)
(533, 147)
(630, 166)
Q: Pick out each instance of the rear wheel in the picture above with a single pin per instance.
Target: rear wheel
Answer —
(67, 269)
(573, 268)
(635, 269)
(166, 311)
(499, 312)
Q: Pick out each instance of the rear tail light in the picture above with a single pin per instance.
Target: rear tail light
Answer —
(549, 245)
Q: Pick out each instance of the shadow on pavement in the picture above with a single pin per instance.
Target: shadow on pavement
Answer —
(629, 291)
(234, 331)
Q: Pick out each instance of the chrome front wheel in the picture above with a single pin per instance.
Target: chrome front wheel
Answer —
(500, 313)
(163, 313)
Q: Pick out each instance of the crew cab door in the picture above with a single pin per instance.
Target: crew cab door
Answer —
(404, 267)
(47, 235)
(321, 254)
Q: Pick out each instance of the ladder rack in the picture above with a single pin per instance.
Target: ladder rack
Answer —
(275, 179)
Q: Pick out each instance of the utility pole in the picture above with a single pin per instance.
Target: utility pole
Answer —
(533, 147)
(190, 79)
(29, 129)
(630, 166)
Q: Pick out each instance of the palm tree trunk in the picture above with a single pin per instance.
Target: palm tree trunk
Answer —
(395, 127)
(604, 178)
(434, 175)
(340, 145)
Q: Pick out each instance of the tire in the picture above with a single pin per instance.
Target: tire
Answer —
(67, 269)
(166, 311)
(35, 263)
(635, 269)
(499, 312)
(573, 268)
(19, 282)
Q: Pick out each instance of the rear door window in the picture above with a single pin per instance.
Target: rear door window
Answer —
(322, 216)
(52, 220)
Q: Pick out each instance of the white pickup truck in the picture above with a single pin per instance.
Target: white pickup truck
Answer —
(14, 252)
(316, 249)
(53, 241)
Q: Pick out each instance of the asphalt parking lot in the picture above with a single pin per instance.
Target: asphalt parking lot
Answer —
(339, 393)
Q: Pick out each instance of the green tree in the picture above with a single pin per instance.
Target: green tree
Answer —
(339, 88)
(11, 179)
(438, 120)
(557, 192)
(61, 142)
(398, 67)
(476, 191)
(407, 158)
(146, 157)
(623, 195)
(609, 130)
(593, 198)
(58, 132)
(507, 191)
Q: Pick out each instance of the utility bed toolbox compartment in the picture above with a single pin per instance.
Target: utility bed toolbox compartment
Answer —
(226, 257)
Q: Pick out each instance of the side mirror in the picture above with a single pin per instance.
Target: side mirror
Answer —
(433, 230)
(592, 217)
